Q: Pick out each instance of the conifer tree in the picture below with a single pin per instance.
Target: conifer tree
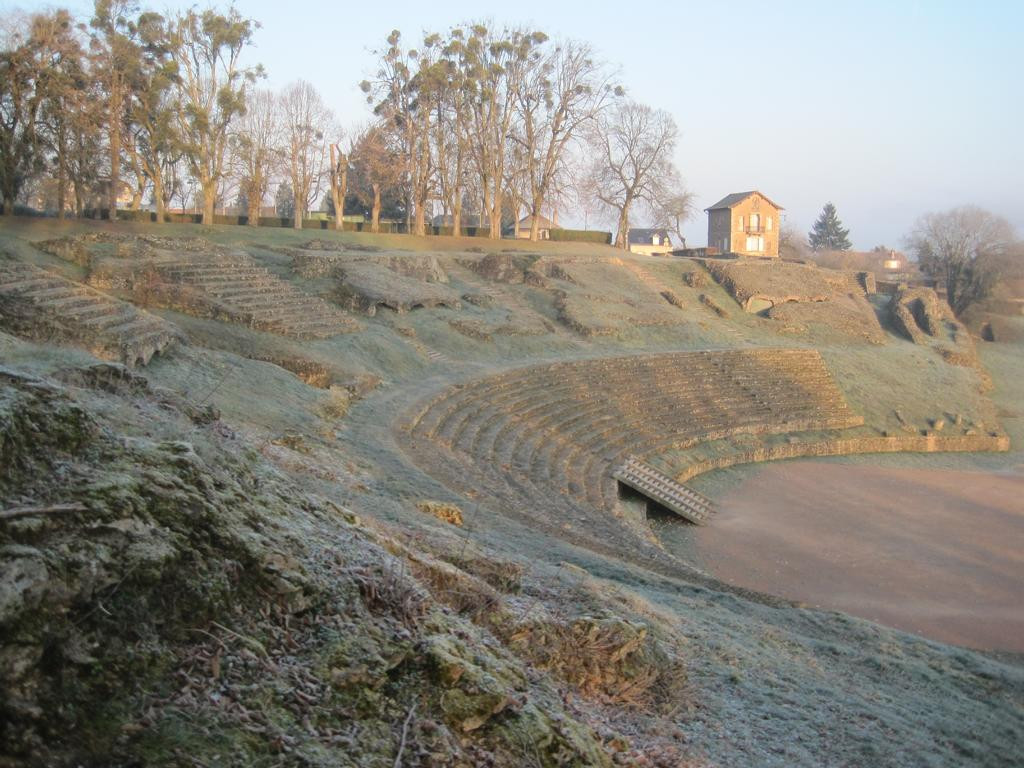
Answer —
(828, 233)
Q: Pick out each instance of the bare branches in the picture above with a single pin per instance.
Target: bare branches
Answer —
(305, 120)
(962, 247)
(633, 146)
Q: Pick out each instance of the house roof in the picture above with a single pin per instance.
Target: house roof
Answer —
(731, 201)
(545, 222)
(646, 236)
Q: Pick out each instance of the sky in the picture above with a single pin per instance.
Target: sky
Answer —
(887, 109)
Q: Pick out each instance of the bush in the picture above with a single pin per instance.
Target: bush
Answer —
(185, 218)
(581, 236)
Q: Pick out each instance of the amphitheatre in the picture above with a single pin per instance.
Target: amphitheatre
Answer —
(380, 465)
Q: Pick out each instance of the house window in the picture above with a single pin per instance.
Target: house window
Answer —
(656, 240)
(755, 221)
(768, 224)
(755, 243)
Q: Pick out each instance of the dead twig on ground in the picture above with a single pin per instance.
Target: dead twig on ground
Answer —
(405, 734)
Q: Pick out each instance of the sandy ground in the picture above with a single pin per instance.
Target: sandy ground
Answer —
(935, 552)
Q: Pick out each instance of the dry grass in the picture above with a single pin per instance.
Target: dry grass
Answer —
(447, 513)
(611, 660)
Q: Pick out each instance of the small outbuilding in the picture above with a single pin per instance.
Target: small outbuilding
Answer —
(652, 242)
(544, 227)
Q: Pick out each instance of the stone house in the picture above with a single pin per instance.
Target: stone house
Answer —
(652, 242)
(744, 223)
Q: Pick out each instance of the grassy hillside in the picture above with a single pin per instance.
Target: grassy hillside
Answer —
(231, 556)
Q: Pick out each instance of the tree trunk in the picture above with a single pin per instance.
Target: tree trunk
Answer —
(496, 214)
(62, 183)
(339, 185)
(457, 217)
(535, 224)
(622, 236)
(209, 203)
(375, 213)
(158, 197)
(114, 125)
(254, 209)
(421, 217)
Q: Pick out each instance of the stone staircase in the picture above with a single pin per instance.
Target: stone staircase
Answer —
(646, 480)
(47, 307)
(247, 293)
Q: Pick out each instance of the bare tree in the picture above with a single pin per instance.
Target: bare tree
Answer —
(672, 211)
(962, 247)
(401, 93)
(116, 57)
(632, 145)
(338, 179)
(304, 119)
(255, 144)
(212, 89)
(558, 94)
(792, 244)
(151, 138)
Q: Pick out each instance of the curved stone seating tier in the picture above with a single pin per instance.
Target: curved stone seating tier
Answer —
(544, 440)
(46, 306)
(685, 467)
(250, 294)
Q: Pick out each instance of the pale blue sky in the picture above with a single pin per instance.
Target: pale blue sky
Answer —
(888, 109)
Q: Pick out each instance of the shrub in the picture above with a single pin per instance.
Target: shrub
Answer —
(581, 236)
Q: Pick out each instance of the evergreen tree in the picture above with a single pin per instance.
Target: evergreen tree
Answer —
(284, 201)
(828, 233)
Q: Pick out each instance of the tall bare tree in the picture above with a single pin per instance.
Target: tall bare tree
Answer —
(559, 94)
(340, 163)
(255, 145)
(304, 120)
(632, 146)
(495, 64)
(151, 138)
(213, 84)
(402, 94)
(962, 247)
(116, 57)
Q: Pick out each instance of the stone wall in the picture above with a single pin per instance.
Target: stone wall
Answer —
(850, 446)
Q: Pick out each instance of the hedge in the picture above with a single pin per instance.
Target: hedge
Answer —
(581, 236)
(466, 231)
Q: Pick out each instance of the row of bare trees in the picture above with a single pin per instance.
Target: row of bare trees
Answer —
(500, 121)
(481, 121)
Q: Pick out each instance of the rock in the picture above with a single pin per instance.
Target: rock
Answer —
(938, 424)
(24, 579)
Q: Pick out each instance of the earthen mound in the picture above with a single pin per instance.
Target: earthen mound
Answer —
(917, 312)
(760, 285)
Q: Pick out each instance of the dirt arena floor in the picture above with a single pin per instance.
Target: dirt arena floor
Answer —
(935, 552)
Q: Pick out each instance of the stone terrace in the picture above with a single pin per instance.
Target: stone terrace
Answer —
(545, 439)
(45, 306)
(244, 292)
